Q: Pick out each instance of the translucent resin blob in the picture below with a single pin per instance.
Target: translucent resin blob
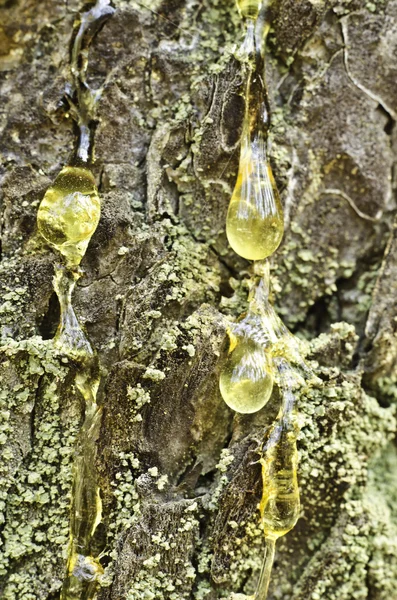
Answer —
(254, 224)
(246, 380)
(248, 9)
(69, 213)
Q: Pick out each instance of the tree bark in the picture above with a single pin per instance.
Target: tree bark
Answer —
(178, 474)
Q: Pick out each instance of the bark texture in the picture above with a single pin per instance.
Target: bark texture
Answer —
(177, 468)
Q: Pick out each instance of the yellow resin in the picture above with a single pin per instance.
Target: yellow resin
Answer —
(281, 343)
(280, 502)
(264, 579)
(83, 568)
(69, 213)
(67, 218)
(260, 344)
(249, 9)
(69, 337)
(246, 379)
(254, 224)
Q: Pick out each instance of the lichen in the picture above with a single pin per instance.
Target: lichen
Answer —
(35, 492)
(125, 511)
(138, 397)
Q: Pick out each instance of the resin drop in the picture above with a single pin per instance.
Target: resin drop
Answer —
(246, 380)
(280, 501)
(254, 223)
(69, 213)
(248, 9)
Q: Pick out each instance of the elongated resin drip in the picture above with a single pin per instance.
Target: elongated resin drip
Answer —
(67, 218)
(261, 349)
(69, 232)
(254, 223)
(86, 509)
(280, 503)
(280, 499)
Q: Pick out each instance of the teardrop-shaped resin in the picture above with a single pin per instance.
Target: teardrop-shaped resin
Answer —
(280, 504)
(248, 9)
(254, 224)
(246, 380)
(69, 213)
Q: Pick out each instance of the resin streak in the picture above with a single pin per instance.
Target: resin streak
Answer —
(67, 217)
(254, 223)
(261, 349)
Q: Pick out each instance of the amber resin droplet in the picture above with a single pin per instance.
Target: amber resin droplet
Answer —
(280, 503)
(254, 224)
(69, 213)
(246, 380)
(249, 9)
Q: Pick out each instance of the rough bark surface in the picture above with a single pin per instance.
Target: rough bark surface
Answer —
(177, 468)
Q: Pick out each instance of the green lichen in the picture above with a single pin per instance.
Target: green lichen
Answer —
(151, 581)
(125, 511)
(35, 492)
(138, 397)
(387, 387)
(184, 278)
(15, 297)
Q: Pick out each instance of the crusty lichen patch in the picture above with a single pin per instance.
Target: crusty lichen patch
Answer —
(41, 423)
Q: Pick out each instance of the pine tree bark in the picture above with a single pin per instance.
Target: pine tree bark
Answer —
(178, 473)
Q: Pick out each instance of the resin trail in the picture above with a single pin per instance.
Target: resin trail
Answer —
(83, 568)
(261, 349)
(280, 503)
(67, 217)
(254, 223)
